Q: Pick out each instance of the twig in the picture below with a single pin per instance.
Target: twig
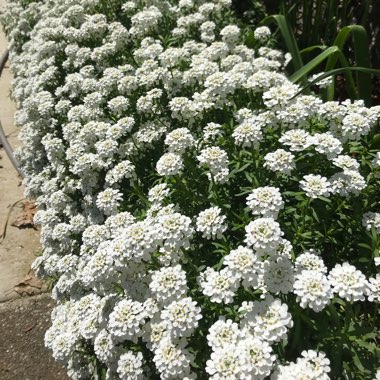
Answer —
(2, 236)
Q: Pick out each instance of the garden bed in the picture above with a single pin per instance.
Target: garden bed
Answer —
(202, 215)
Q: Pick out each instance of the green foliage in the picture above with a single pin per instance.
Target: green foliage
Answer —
(361, 89)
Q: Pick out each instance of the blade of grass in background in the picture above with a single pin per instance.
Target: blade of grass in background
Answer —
(338, 71)
(362, 59)
(333, 53)
(315, 62)
(289, 39)
(311, 48)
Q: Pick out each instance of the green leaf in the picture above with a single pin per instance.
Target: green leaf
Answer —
(363, 245)
(315, 215)
(357, 361)
(324, 199)
(369, 346)
(250, 39)
(375, 143)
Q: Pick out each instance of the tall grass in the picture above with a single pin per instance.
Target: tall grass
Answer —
(316, 32)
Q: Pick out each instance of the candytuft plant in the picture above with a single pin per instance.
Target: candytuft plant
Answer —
(200, 218)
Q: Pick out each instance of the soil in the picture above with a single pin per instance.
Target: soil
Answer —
(19, 247)
(23, 323)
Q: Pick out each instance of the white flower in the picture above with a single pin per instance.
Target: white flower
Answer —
(312, 289)
(98, 268)
(262, 33)
(219, 286)
(309, 260)
(371, 219)
(348, 282)
(118, 105)
(376, 164)
(244, 263)
(355, 125)
(169, 164)
(315, 185)
(179, 140)
(346, 162)
(265, 201)
(124, 169)
(374, 289)
(322, 83)
(109, 200)
(168, 284)
(280, 160)
(347, 182)
(137, 241)
(268, 320)
(248, 133)
(129, 366)
(211, 131)
(279, 96)
(296, 139)
(174, 229)
(213, 157)
(258, 355)
(263, 234)
(226, 363)
(63, 346)
(312, 365)
(278, 275)
(210, 223)
(181, 317)
(158, 193)
(327, 144)
(104, 346)
(172, 360)
(126, 320)
(223, 333)
(230, 34)
(318, 362)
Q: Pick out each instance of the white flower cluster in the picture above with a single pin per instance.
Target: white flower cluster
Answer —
(125, 108)
(312, 365)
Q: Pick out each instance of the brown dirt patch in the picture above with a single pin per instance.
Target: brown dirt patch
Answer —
(23, 323)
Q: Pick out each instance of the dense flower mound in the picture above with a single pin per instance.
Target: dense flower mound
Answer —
(200, 216)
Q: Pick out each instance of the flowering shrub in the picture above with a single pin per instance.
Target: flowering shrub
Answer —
(199, 217)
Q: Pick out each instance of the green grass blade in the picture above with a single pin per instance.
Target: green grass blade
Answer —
(362, 57)
(289, 39)
(306, 69)
(312, 48)
(334, 72)
(350, 83)
(331, 19)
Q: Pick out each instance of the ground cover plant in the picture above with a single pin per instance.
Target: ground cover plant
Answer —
(200, 217)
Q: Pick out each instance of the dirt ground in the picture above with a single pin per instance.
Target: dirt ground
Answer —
(19, 248)
(23, 356)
